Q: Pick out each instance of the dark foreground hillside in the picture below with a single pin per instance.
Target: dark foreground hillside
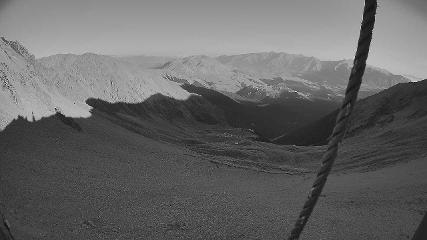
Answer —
(134, 172)
(399, 107)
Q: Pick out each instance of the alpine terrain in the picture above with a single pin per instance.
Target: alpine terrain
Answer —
(144, 147)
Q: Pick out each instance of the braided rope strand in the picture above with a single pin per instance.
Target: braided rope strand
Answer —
(355, 80)
(5, 233)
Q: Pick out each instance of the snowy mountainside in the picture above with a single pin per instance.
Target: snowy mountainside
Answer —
(108, 78)
(38, 88)
(24, 92)
(210, 73)
(272, 74)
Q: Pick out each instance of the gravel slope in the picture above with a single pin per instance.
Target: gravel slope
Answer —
(107, 182)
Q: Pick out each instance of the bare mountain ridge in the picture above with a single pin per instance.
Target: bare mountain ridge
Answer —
(271, 74)
(334, 73)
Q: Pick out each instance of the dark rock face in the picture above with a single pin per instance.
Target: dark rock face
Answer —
(20, 49)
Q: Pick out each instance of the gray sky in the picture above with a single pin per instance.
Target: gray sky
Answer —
(327, 29)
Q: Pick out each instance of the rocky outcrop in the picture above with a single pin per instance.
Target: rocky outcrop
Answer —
(20, 49)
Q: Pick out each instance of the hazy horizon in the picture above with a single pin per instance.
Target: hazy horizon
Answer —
(327, 30)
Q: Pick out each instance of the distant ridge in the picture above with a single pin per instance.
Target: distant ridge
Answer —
(272, 73)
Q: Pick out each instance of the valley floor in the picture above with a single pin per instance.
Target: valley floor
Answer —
(107, 182)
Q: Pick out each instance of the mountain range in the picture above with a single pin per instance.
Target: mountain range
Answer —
(34, 88)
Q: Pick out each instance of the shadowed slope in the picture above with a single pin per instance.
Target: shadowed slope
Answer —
(266, 117)
(132, 172)
(397, 107)
(195, 108)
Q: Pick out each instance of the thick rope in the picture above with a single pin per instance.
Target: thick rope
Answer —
(347, 106)
(5, 233)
